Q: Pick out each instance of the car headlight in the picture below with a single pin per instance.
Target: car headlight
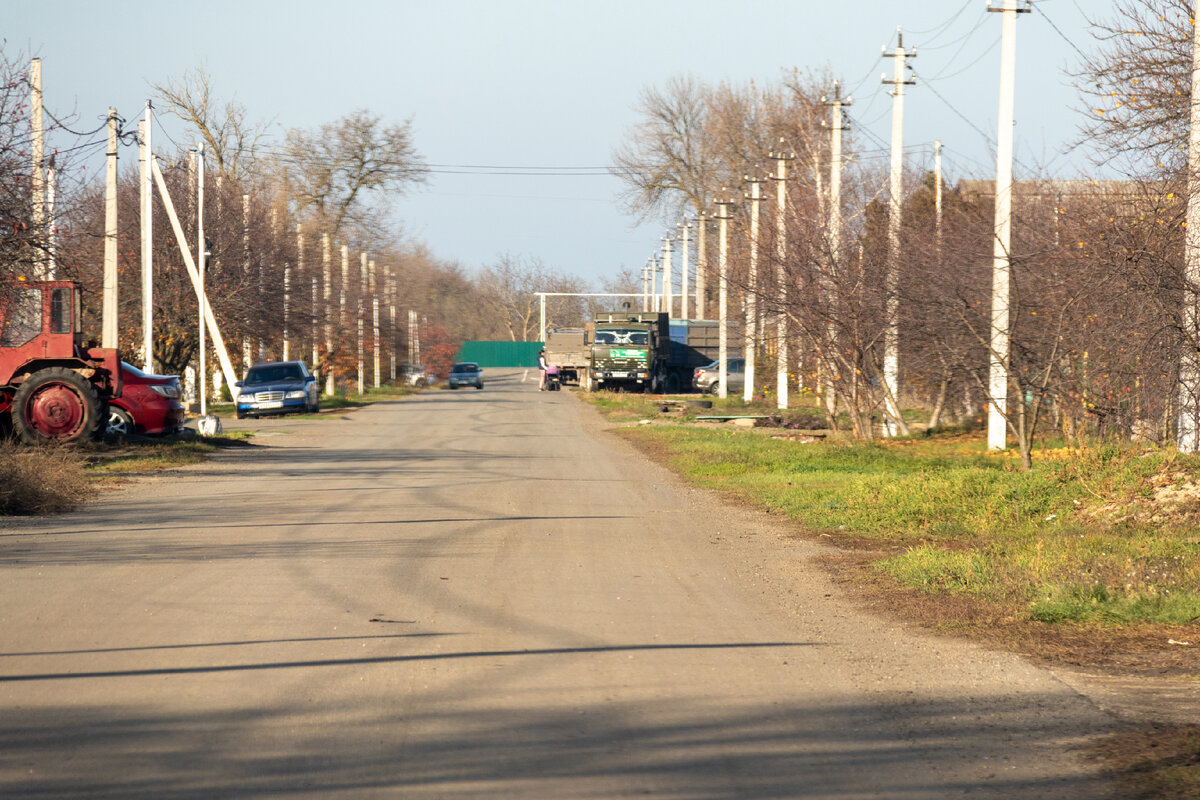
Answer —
(296, 395)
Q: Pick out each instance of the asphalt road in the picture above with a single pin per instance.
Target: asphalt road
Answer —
(478, 595)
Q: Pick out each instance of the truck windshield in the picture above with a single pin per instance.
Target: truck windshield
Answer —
(622, 336)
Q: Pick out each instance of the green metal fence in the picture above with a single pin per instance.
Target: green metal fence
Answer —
(500, 353)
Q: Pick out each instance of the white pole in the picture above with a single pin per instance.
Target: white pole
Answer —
(362, 290)
(108, 326)
(391, 294)
(668, 267)
(749, 335)
(194, 273)
(937, 200)
(835, 244)
(654, 293)
(701, 265)
(1001, 246)
(683, 272)
(247, 357)
(781, 321)
(327, 292)
(51, 242)
(148, 248)
(646, 287)
(542, 317)
(201, 267)
(893, 424)
(374, 323)
(38, 175)
(722, 304)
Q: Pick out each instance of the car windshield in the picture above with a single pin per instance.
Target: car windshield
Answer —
(273, 373)
(622, 336)
(466, 367)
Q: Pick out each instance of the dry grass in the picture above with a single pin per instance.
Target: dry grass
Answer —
(40, 480)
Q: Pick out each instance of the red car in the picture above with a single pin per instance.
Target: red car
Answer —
(149, 404)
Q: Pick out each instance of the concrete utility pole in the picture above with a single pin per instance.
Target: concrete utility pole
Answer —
(201, 267)
(937, 200)
(247, 359)
(722, 300)
(342, 292)
(894, 422)
(654, 284)
(146, 131)
(38, 173)
(1187, 437)
(836, 128)
(51, 241)
(391, 292)
(749, 335)
(685, 228)
(327, 296)
(362, 290)
(781, 321)
(1001, 247)
(646, 287)
(701, 265)
(108, 324)
(374, 321)
(668, 267)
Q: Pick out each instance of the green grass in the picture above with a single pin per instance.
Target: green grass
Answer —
(135, 455)
(1073, 540)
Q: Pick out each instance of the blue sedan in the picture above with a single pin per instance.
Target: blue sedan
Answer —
(280, 387)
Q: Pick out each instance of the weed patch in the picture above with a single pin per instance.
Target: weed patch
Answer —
(40, 480)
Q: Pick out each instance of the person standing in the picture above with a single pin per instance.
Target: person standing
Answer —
(542, 370)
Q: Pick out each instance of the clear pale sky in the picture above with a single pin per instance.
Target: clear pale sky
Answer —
(552, 83)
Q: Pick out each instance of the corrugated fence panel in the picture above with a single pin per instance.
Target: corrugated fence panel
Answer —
(500, 353)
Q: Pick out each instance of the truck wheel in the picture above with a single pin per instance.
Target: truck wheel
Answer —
(55, 405)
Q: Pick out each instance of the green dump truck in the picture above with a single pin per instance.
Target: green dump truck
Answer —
(646, 351)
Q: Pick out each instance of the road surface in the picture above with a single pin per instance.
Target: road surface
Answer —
(481, 594)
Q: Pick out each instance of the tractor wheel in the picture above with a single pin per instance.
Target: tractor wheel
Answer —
(55, 405)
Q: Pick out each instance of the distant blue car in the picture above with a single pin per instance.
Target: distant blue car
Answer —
(279, 387)
(465, 373)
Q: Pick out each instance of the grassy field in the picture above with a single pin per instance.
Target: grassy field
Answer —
(1105, 534)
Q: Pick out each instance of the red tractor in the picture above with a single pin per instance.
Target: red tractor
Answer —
(52, 388)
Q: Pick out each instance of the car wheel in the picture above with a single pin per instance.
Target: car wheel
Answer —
(479, 385)
(715, 388)
(120, 421)
(238, 414)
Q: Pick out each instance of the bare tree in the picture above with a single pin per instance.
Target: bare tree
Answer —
(334, 168)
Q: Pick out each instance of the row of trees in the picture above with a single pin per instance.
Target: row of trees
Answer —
(283, 222)
(1097, 267)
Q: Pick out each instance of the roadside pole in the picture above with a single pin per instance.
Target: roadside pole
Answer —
(750, 334)
(781, 320)
(108, 325)
(685, 228)
(722, 300)
(893, 422)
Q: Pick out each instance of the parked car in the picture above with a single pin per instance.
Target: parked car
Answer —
(149, 404)
(277, 387)
(466, 373)
(417, 375)
(707, 378)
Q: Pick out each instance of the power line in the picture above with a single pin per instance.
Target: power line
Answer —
(1063, 36)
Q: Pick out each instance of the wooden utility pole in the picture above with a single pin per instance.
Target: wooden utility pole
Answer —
(750, 334)
(1001, 245)
(893, 421)
(146, 131)
(38, 173)
(108, 324)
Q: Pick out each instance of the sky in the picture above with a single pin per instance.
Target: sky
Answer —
(526, 85)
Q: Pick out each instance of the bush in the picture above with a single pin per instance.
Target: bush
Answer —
(40, 480)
